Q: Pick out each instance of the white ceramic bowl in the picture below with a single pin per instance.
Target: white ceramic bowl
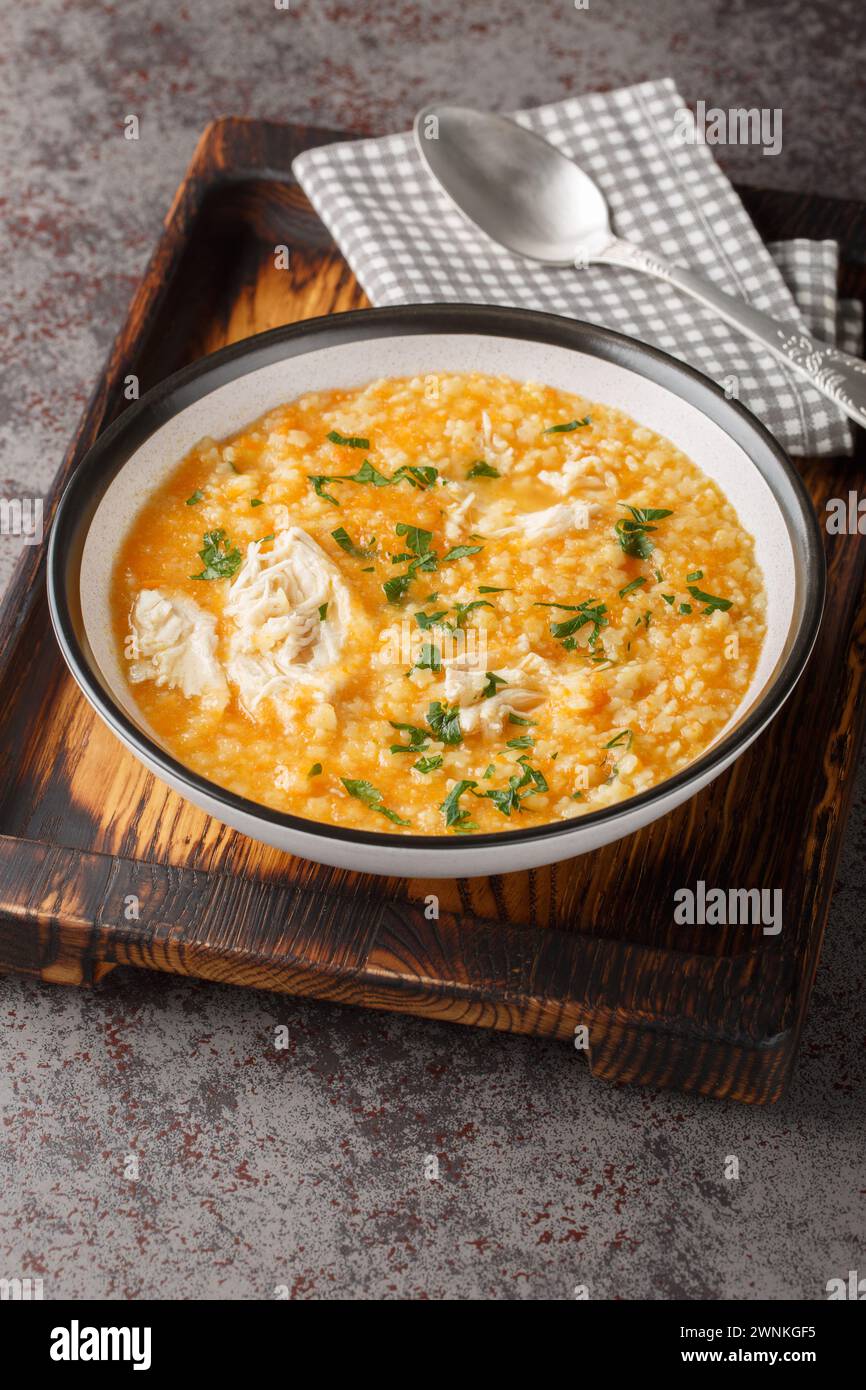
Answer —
(229, 390)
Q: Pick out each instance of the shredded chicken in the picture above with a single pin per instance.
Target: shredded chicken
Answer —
(174, 645)
(562, 479)
(283, 633)
(496, 449)
(553, 521)
(465, 681)
(457, 521)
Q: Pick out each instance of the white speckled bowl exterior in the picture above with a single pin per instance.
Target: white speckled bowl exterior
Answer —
(231, 389)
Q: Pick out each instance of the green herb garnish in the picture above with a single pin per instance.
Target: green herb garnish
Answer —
(372, 797)
(417, 738)
(429, 764)
(417, 477)
(567, 429)
(508, 799)
(315, 770)
(444, 720)
(421, 559)
(626, 736)
(455, 818)
(459, 552)
(319, 481)
(195, 499)
(345, 542)
(429, 659)
(630, 588)
(633, 535)
(591, 611)
(351, 441)
(220, 561)
(492, 682)
(323, 612)
(713, 603)
(480, 469)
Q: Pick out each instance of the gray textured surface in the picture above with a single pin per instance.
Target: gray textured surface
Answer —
(305, 1167)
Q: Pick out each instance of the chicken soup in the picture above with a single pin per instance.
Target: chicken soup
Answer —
(450, 604)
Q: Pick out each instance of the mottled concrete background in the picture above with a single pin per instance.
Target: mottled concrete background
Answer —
(305, 1167)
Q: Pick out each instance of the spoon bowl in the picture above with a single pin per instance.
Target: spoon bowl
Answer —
(512, 184)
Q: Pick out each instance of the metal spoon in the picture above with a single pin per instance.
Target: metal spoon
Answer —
(526, 195)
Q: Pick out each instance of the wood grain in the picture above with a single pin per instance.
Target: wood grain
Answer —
(589, 942)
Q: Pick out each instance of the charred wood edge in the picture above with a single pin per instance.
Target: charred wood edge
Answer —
(76, 904)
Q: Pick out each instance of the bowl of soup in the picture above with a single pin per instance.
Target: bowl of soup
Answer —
(436, 590)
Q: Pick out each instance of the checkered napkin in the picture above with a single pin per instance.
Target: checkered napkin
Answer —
(407, 244)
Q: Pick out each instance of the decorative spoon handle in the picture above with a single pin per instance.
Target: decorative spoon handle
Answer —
(836, 374)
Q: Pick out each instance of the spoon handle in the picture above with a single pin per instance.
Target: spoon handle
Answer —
(838, 375)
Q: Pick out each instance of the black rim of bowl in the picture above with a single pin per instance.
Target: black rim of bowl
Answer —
(111, 451)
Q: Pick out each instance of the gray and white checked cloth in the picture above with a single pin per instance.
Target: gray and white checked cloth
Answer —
(407, 244)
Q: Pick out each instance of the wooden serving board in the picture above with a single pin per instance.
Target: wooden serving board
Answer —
(717, 1010)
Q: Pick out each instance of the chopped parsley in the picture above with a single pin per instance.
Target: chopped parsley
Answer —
(459, 552)
(372, 797)
(417, 738)
(492, 682)
(685, 608)
(351, 441)
(427, 620)
(256, 502)
(489, 589)
(567, 428)
(397, 588)
(669, 598)
(633, 534)
(455, 818)
(417, 540)
(523, 742)
(429, 764)
(480, 469)
(319, 480)
(714, 604)
(508, 799)
(624, 737)
(345, 542)
(323, 612)
(591, 611)
(429, 659)
(444, 720)
(416, 476)
(630, 588)
(195, 499)
(694, 576)
(220, 560)
(315, 770)
(461, 613)
(421, 559)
